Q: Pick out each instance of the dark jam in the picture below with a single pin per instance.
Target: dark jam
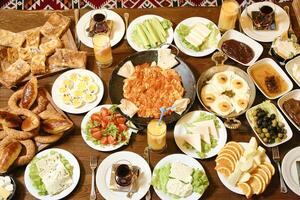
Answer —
(266, 10)
(292, 108)
(238, 50)
(99, 17)
(123, 175)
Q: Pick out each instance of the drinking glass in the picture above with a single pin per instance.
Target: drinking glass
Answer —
(157, 135)
(228, 15)
(102, 50)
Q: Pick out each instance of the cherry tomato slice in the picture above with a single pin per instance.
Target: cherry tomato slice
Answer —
(97, 135)
(104, 140)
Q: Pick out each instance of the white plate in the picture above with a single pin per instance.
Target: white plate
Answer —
(255, 46)
(69, 108)
(223, 178)
(180, 130)
(118, 29)
(293, 94)
(139, 20)
(289, 170)
(289, 65)
(90, 143)
(279, 71)
(191, 162)
(75, 177)
(190, 22)
(282, 23)
(104, 171)
(289, 132)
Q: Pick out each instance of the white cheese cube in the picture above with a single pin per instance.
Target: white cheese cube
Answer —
(181, 172)
(178, 188)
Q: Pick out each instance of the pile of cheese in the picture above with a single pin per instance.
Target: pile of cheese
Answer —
(6, 187)
(53, 173)
(200, 131)
(198, 34)
(180, 182)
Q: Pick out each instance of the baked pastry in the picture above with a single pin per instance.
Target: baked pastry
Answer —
(14, 73)
(33, 38)
(38, 65)
(55, 126)
(55, 26)
(9, 119)
(49, 47)
(68, 58)
(30, 92)
(8, 154)
(28, 52)
(11, 39)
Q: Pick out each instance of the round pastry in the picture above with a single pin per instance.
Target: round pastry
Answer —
(47, 139)
(18, 135)
(9, 119)
(30, 152)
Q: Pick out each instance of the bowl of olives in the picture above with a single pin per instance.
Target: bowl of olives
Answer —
(268, 124)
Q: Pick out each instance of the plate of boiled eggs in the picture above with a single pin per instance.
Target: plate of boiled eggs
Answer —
(77, 91)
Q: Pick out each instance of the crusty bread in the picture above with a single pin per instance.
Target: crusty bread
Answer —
(8, 155)
(68, 58)
(55, 26)
(10, 39)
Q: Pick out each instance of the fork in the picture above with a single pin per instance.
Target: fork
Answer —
(93, 165)
(276, 158)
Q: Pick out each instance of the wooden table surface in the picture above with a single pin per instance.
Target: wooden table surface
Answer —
(22, 20)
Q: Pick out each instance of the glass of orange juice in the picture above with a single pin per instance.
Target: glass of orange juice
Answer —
(157, 135)
(228, 15)
(102, 50)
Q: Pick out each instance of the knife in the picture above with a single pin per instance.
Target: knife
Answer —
(298, 170)
(147, 158)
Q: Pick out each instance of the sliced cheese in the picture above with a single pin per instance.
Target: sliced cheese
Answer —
(181, 172)
(205, 136)
(211, 126)
(179, 188)
(198, 34)
(53, 173)
(165, 59)
(194, 140)
(126, 70)
(128, 108)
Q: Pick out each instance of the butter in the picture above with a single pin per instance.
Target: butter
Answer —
(4, 193)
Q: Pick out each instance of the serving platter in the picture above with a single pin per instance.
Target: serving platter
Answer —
(123, 157)
(118, 29)
(187, 160)
(187, 76)
(190, 22)
(180, 130)
(75, 177)
(224, 180)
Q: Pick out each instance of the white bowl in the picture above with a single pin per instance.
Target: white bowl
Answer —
(293, 94)
(279, 71)
(289, 65)
(235, 35)
(289, 132)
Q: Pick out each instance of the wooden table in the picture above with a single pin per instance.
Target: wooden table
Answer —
(18, 21)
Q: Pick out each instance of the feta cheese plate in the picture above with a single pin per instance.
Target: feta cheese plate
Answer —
(197, 31)
(182, 175)
(67, 159)
(200, 144)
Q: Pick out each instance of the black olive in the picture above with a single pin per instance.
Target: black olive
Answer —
(272, 116)
(270, 127)
(264, 124)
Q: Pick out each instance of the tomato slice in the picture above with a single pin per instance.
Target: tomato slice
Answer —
(104, 112)
(110, 139)
(104, 140)
(121, 120)
(97, 135)
(96, 117)
(122, 127)
(95, 129)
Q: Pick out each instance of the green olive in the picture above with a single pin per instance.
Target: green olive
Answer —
(284, 136)
(264, 130)
(280, 135)
(265, 140)
(280, 124)
(261, 135)
(277, 140)
(267, 135)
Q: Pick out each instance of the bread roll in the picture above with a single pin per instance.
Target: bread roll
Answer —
(8, 154)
